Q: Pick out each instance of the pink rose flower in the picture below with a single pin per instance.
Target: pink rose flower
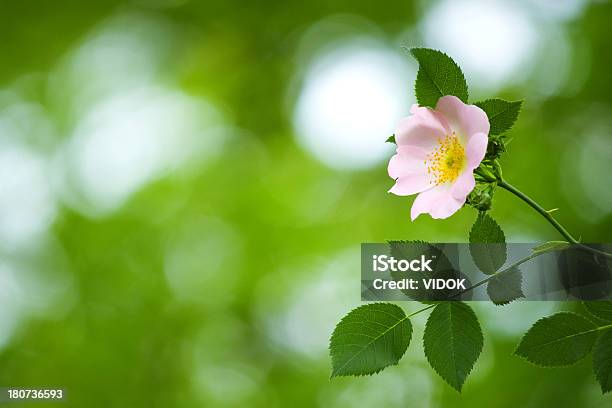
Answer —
(437, 152)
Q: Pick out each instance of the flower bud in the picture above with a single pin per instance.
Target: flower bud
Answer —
(496, 147)
(481, 197)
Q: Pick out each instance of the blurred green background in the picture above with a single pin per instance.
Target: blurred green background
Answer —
(184, 187)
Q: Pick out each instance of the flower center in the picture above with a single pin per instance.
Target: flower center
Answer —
(446, 162)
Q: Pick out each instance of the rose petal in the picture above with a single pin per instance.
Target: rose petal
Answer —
(437, 201)
(446, 207)
(463, 185)
(409, 168)
(411, 184)
(422, 129)
(466, 120)
(476, 149)
(424, 202)
(408, 160)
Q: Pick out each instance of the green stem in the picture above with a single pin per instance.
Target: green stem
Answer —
(488, 278)
(514, 265)
(482, 282)
(421, 310)
(509, 187)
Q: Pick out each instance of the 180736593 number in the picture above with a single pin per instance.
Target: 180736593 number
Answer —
(32, 394)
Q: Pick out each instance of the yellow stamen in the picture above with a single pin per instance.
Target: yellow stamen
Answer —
(446, 162)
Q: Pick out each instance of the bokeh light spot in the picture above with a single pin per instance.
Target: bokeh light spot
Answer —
(492, 41)
(351, 99)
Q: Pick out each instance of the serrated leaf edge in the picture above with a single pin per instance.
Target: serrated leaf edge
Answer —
(467, 374)
(593, 360)
(593, 315)
(520, 103)
(483, 214)
(518, 112)
(553, 366)
(467, 91)
(371, 372)
(508, 301)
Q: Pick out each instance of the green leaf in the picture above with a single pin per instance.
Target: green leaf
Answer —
(502, 114)
(551, 246)
(505, 287)
(558, 340)
(600, 309)
(391, 139)
(487, 244)
(602, 361)
(438, 76)
(368, 339)
(452, 341)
